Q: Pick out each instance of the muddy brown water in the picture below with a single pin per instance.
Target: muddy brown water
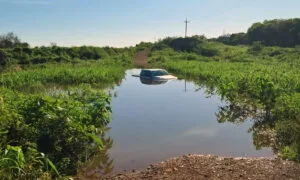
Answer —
(151, 123)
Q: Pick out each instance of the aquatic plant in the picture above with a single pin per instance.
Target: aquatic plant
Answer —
(36, 79)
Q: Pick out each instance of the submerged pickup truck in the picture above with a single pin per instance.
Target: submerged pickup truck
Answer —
(156, 74)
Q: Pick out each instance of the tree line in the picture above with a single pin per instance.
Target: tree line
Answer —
(14, 51)
(277, 32)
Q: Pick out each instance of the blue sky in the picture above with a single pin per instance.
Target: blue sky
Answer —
(127, 22)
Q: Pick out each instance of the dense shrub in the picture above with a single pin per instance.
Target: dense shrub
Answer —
(3, 57)
(143, 45)
(195, 44)
(256, 47)
(63, 126)
(209, 51)
(40, 55)
(233, 39)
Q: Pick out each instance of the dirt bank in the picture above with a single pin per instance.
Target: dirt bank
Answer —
(213, 167)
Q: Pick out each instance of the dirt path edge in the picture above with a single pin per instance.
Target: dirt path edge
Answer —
(214, 167)
(141, 58)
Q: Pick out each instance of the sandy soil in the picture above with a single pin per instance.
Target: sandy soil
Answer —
(213, 167)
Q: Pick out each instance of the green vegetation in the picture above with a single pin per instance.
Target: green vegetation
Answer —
(277, 32)
(54, 54)
(10, 40)
(256, 81)
(48, 127)
(46, 134)
(39, 78)
(55, 132)
(64, 127)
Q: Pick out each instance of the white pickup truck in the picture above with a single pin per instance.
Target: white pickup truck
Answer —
(156, 74)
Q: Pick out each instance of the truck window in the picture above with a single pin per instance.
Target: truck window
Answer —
(145, 73)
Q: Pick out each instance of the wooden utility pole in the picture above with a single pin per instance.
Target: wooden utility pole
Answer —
(186, 22)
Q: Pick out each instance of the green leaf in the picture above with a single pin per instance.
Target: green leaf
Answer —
(53, 167)
(3, 132)
(96, 139)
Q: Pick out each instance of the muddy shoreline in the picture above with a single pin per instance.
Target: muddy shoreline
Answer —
(215, 167)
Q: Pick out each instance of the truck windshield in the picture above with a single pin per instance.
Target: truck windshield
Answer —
(159, 73)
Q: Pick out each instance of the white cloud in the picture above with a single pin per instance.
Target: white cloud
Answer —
(202, 131)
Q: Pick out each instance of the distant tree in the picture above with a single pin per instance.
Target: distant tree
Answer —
(53, 44)
(99, 53)
(9, 40)
(24, 45)
(199, 37)
(277, 32)
(86, 52)
(194, 44)
(233, 39)
(189, 44)
(143, 45)
(2, 57)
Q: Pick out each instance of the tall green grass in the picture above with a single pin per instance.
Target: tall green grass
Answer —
(101, 73)
(60, 127)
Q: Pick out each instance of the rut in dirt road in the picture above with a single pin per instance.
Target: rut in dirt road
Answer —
(141, 58)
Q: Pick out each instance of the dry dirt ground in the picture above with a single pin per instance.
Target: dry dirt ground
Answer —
(213, 167)
(141, 58)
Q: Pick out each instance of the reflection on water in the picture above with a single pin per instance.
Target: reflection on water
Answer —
(152, 81)
(154, 123)
(262, 122)
(100, 163)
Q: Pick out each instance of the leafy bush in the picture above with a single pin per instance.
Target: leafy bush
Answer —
(159, 46)
(14, 164)
(143, 45)
(41, 55)
(233, 39)
(209, 51)
(195, 44)
(191, 56)
(63, 126)
(3, 57)
(256, 47)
